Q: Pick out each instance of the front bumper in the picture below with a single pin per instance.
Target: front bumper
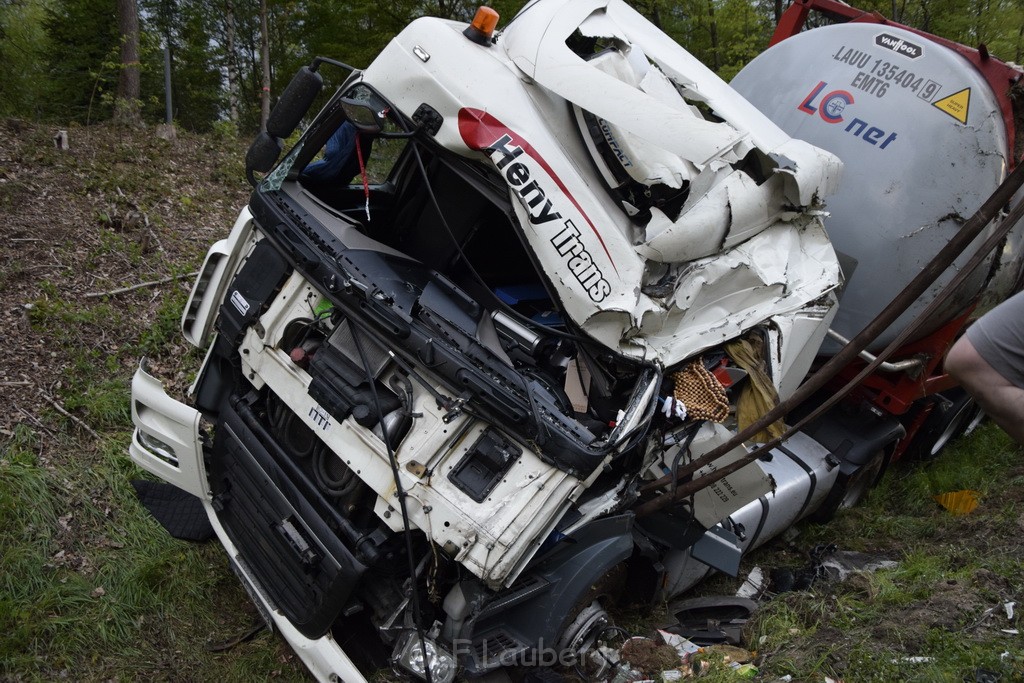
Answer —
(166, 442)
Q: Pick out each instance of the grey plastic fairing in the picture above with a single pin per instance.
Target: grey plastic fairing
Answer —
(285, 537)
(720, 549)
(675, 528)
(854, 438)
(534, 610)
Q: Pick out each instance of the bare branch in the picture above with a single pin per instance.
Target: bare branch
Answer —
(60, 409)
(141, 285)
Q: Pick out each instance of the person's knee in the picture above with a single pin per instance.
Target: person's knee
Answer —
(961, 359)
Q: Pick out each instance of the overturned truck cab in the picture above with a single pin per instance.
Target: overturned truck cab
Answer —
(499, 283)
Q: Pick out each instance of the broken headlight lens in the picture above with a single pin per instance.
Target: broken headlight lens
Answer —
(410, 657)
(160, 449)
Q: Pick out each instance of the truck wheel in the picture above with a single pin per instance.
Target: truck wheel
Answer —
(850, 488)
(955, 414)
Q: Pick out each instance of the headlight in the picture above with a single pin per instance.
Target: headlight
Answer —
(157, 447)
(410, 657)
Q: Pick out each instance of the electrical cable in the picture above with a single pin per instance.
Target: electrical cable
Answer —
(465, 259)
(400, 492)
(684, 449)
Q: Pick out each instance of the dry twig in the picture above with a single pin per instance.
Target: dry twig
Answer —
(34, 420)
(141, 285)
(60, 409)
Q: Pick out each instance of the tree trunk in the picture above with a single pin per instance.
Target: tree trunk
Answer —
(265, 61)
(127, 107)
(656, 14)
(232, 62)
(716, 58)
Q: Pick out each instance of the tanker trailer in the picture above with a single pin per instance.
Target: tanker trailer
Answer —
(926, 129)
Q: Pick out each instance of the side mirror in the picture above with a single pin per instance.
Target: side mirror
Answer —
(362, 115)
(294, 102)
(263, 152)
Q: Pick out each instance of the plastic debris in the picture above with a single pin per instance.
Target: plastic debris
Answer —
(711, 620)
(839, 564)
(829, 563)
(958, 502)
(754, 585)
(672, 407)
(1008, 606)
(913, 660)
(683, 646)
(745, 670)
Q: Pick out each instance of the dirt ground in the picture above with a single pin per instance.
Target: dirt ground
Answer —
(117, 209)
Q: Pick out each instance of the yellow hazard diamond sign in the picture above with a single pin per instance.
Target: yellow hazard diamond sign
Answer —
(956, 105)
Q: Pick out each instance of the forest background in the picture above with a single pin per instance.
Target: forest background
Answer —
(90, 60)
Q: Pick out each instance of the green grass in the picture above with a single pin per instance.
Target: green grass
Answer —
(91, 585)
(951, 570)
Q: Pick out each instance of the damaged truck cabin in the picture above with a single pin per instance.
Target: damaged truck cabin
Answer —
(530, 272)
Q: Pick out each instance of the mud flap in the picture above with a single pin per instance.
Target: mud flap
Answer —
(863, 443)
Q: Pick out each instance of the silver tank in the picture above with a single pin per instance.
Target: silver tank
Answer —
(923, 145)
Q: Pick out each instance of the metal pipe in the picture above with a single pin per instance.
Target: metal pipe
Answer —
(899, 366)
(960, 241)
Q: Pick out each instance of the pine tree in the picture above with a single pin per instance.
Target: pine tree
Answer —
(84, 71)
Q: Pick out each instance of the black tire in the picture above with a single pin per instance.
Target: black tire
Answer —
(955, 413)
(850, 488)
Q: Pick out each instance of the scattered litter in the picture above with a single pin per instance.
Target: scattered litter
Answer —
(1011, 631)
(745, 670)
(684, 647)
(1008, 606)
(827, 562)
(839, 564)
(669, 657)
(754, 585)
(785, 679)
(739, 659)
(958, 502)
(913, 660)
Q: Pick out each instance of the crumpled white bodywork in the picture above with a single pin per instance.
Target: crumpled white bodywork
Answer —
(737, 253)
(746, 248)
